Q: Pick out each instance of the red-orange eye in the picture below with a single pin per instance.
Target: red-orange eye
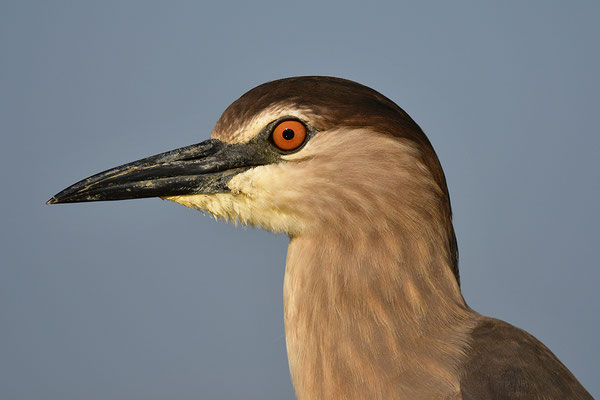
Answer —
(289, 135)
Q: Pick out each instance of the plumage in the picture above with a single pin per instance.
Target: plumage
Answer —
(506, 362)
(372, 300)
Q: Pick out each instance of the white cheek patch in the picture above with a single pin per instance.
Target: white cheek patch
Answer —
(251, 202)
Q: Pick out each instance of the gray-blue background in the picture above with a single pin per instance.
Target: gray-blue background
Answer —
(149, 300)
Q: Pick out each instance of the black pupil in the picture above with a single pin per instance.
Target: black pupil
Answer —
(288, 134)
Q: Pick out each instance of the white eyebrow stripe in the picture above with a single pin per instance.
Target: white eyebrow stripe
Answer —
(251, 128)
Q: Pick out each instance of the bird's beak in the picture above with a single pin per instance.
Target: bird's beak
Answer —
(200, 168)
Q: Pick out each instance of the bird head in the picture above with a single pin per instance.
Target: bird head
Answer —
(297, 155)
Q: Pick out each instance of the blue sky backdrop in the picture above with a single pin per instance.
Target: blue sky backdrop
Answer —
(149, 300)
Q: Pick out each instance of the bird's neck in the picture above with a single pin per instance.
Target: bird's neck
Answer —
(371, 316)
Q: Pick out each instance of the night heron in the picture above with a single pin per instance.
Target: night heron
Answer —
(373, 307)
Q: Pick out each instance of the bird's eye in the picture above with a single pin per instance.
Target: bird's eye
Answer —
(289, 135)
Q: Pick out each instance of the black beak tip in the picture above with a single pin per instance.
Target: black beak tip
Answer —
(205, 167)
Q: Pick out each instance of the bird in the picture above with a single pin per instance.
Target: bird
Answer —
(373, 307)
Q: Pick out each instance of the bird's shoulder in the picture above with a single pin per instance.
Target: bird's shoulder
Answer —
(505, 362)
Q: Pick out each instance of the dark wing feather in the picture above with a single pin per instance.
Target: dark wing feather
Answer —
(506, 362)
